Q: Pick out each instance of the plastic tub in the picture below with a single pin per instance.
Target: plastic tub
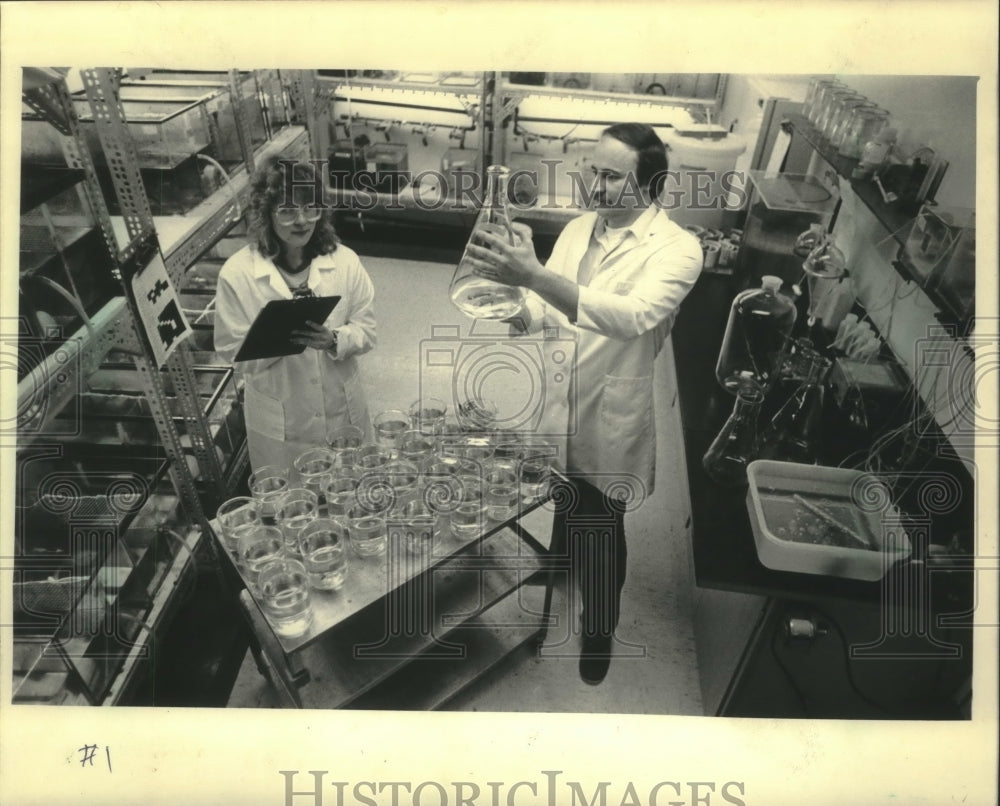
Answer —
(826, 521)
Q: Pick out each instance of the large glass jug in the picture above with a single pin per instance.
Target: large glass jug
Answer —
(759, 322)
(477, 296)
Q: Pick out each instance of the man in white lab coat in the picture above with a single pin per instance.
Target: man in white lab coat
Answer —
(613, 283)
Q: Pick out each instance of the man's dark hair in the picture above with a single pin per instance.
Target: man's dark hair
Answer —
(651, 154)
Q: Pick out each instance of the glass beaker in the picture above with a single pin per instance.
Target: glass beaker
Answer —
(500, 489)
(477, 296)
(390, 426)
(341, 493)
(316, 467)
(371, 457)
(735, 446)
(468, 446)
(469, 515)
(257, 549)
(368, 532)
(344, 442)
(284, 597)
(476, 415)
(237, 517)
(760, 320)
(533, 475)
(323, 544)
(793, 432)
(298, 509)
(427, 415)
(417, 447)
(268, 485)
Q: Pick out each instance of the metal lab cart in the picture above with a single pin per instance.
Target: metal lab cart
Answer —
(410, 632)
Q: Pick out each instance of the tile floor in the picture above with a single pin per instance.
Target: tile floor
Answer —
(655, 668)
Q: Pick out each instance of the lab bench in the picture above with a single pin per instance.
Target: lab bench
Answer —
(783, 644)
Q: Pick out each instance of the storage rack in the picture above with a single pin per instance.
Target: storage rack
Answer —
(183, 478)
(894, 217)
(412, 109)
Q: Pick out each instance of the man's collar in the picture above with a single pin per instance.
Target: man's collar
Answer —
(638, 228)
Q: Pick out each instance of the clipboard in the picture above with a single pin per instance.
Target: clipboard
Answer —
(271, 332)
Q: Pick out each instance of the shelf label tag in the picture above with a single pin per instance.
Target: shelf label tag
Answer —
(160, 310)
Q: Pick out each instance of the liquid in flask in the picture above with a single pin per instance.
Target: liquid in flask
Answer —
(477, 296)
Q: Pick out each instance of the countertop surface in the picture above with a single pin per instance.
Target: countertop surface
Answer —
(725, 555)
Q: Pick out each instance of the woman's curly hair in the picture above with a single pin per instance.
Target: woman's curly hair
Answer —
(268, 189)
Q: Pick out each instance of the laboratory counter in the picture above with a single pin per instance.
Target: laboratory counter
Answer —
(762, 608)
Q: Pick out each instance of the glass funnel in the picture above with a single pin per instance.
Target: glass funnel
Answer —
(477, 296)
(824, 267)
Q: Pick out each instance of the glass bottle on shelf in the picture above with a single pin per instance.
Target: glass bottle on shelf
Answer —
(477, 296)
(823, 89)
(875, 153)
(840, 115)
(793, 433)
(866, 122)
(735, 446)
(760, 320)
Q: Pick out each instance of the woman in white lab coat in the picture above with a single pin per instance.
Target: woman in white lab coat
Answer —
(293, 402)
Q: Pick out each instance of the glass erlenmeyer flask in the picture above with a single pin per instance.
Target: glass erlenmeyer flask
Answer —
(793, 433)
(477, 296)
(736, 444)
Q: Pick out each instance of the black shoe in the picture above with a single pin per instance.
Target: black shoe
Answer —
(595, 659)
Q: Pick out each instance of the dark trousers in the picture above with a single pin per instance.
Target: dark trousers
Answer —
(589, 530)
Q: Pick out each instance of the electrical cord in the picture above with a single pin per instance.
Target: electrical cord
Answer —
(788, 675)
(847, 668)
(934, 685)
(237, 213)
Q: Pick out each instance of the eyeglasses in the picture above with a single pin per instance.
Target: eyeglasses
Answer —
(287, 216)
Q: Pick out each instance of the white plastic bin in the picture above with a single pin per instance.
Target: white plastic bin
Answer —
(828, 521)
(709, 149)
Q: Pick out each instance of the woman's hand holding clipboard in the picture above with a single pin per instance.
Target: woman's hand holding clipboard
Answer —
(285, 327)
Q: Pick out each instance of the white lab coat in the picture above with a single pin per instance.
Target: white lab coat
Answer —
(293, 402)
(602, 413)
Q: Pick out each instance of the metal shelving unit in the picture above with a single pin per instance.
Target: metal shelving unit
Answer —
(89, 623)
(411, 111)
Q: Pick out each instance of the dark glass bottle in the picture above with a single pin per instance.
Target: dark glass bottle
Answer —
(760, 321)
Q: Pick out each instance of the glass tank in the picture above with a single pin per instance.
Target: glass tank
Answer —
(65, 270)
